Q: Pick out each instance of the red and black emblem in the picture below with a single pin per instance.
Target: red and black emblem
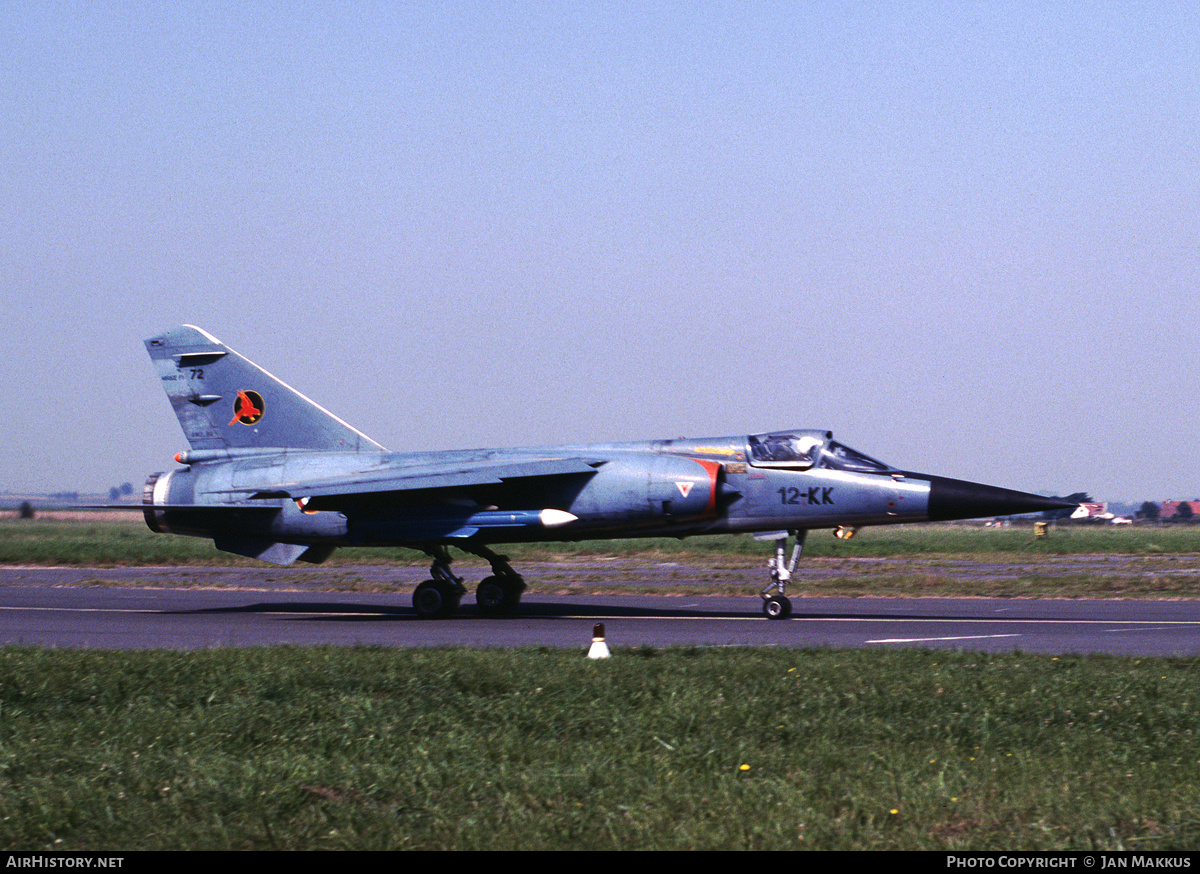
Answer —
(248, 408)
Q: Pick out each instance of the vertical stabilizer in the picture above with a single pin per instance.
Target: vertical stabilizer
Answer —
(225, 401)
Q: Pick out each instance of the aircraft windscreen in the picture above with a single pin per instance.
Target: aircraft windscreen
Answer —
(784, 450)
(840, 457)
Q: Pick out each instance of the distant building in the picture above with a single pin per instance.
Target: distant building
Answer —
(1171, 510)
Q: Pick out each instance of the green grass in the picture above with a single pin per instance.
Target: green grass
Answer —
(910, 560)
(127, 541)
(667, 749)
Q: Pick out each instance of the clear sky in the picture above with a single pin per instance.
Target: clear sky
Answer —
(963, 236)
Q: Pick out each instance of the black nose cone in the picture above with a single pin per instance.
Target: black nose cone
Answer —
(959, 499)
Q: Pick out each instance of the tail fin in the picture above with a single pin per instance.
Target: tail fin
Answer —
(224, 401)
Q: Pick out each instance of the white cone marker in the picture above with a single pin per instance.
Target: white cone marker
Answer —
(599, 649)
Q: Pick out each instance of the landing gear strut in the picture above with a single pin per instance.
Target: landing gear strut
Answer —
(499, 594)
(438, 597)
(775, 601)
(496, 595)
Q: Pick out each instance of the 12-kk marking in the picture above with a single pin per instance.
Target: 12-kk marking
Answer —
(815, 495)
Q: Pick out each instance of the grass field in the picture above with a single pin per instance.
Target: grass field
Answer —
(677, 749)
(909, 560)
(123, 538)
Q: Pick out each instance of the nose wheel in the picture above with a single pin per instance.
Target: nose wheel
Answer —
(777, 607)
(776, 604)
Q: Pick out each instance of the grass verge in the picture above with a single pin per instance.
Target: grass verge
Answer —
(912, 561)
(111, 540)
(326, 748)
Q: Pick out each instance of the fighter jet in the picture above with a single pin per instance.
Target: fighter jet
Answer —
(272, 475)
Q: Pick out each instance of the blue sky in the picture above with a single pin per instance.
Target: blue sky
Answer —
(963, 236)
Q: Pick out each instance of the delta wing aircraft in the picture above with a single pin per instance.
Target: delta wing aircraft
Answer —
(272, 475)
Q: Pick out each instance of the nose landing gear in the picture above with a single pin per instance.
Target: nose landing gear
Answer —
(776, 604)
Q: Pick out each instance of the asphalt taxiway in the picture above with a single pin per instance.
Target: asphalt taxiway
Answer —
(117, 609)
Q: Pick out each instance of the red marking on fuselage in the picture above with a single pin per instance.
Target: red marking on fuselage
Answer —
(714, 470)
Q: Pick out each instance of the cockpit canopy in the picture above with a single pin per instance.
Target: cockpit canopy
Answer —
(801, 450)
(797, 450)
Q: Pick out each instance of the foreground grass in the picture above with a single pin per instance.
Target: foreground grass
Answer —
(701, 749)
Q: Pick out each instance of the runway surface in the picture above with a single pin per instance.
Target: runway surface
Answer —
(67, 607)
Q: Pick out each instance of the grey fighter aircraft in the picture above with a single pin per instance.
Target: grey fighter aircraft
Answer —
(272, 475)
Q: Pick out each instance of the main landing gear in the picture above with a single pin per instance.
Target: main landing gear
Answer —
(500, 593)
(775, 600)
(496, 595)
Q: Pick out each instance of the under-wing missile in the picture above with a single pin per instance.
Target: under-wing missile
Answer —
(548, 518)
(434, 526)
